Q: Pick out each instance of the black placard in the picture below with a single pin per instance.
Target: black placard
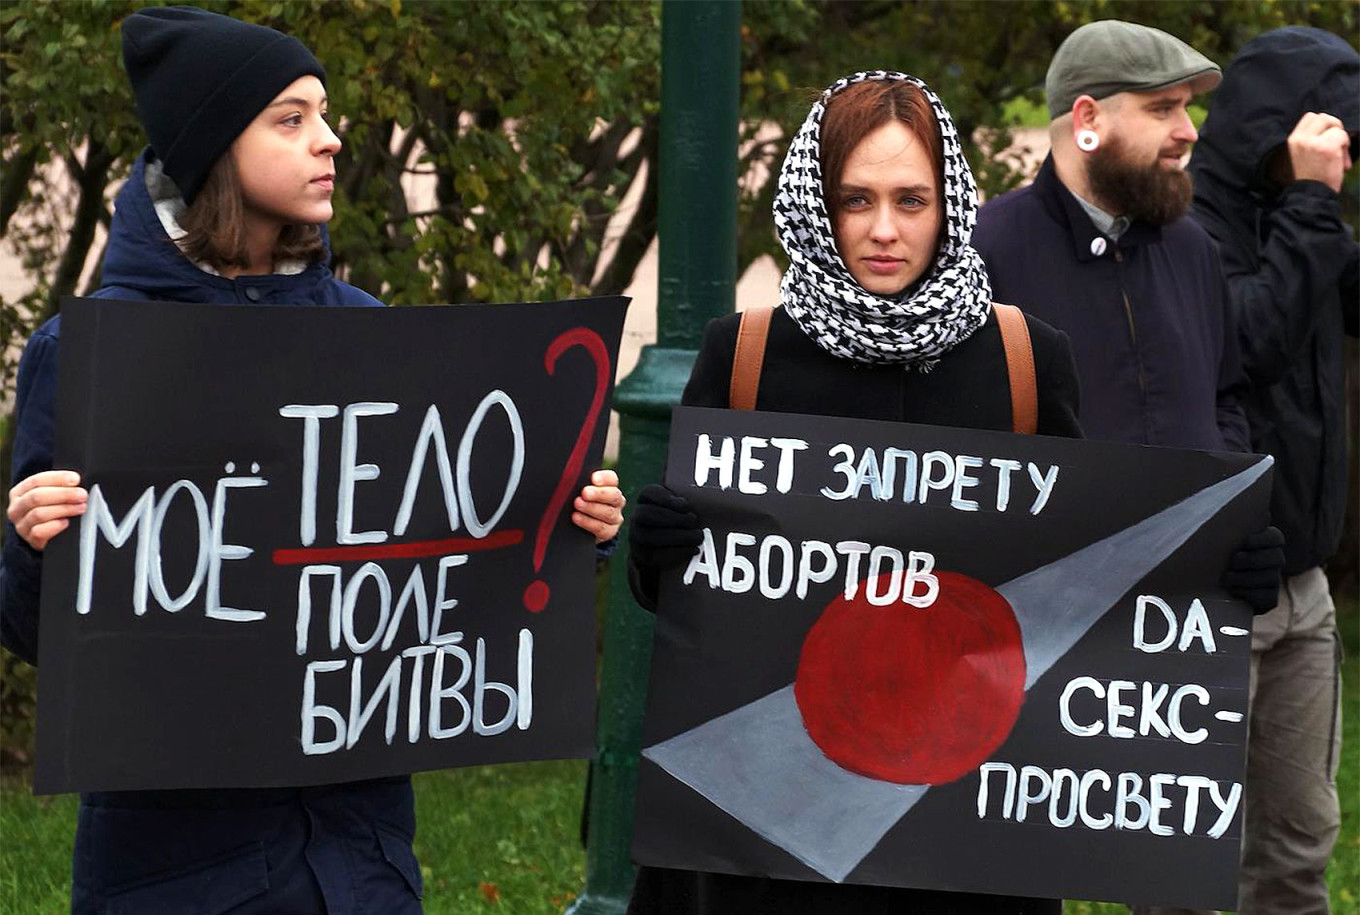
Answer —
(945, 658)
(322, 544)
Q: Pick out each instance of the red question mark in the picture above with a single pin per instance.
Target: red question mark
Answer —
(536, 595)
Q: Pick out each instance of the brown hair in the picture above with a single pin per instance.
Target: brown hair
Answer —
(216, 231)
(855, 112)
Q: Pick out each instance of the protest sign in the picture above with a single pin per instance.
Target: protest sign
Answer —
(321, 544)
(945, 658)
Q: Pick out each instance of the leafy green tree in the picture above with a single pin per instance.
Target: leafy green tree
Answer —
(531, 120)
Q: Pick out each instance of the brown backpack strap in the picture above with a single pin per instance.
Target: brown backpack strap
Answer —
(750, 355)
(1019, 368)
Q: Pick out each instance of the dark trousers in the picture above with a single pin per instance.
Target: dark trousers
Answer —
(333, 850)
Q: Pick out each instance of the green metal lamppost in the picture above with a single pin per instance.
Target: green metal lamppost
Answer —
(700, 81)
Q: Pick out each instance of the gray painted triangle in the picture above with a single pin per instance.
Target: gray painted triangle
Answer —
(758, 763)
(1058, 603)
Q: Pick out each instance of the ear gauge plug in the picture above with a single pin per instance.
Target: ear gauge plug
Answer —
(1087, 140)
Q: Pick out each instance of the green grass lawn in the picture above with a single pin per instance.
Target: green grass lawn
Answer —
(1343, 874)
(504, 838)
(35, 851)
(501, 838)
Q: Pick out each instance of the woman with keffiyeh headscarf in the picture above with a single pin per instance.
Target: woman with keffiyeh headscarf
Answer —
(885, 313)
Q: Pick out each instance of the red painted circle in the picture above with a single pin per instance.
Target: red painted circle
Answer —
(917, 696)
(536, 596)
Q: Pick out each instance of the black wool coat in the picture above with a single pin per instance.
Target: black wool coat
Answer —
(968, 389)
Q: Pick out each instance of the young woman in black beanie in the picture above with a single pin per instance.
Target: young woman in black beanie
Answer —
(225, 206)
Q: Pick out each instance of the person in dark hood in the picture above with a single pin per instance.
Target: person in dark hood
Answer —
(226, 206)
(1279, 137)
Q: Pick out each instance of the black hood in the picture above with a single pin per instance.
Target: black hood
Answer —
(1275, 79)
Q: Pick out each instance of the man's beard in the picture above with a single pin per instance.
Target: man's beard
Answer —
(1152, 193)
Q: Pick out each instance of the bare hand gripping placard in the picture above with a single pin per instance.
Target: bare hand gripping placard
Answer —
(946, 658)
(321, 544)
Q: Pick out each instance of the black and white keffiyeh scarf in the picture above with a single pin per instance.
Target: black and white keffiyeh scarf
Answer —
(939, 311)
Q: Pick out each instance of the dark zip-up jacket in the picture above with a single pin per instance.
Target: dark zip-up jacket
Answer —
(1147, 315)
(1291, 265)
(344, 849)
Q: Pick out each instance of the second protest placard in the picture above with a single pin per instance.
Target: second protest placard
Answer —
(944, 658)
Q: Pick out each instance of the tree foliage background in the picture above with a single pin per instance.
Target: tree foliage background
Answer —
(531, 120)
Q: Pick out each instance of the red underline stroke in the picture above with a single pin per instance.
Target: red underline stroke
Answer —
(419, 549)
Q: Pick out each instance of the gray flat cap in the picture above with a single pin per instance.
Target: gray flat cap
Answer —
(1103, 58)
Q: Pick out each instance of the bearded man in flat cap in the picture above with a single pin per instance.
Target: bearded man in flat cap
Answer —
(1100, 247)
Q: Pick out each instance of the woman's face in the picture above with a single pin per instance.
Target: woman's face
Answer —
(888, 214)
(285, 157)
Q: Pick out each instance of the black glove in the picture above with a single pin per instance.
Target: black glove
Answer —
(663, 531)
(1254, 570)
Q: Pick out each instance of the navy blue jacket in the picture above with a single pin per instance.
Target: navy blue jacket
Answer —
(340, 849)
(1291, 265)
(1153, 338)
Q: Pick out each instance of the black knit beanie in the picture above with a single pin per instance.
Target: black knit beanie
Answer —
(200, 79)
